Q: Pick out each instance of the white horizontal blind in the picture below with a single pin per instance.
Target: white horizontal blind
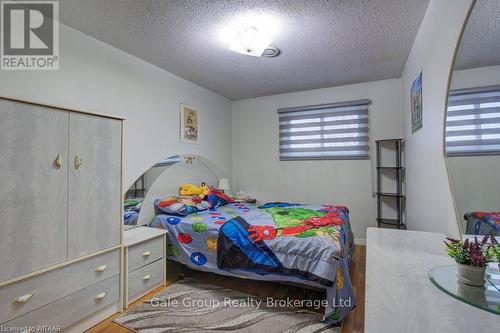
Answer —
(326, 131)
(473, 122)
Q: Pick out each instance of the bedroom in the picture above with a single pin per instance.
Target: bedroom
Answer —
(115, 101)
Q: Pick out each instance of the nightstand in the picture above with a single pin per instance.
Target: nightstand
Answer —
(145, 262)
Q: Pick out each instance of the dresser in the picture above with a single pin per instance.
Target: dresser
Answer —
(145, 261)
(61, 216)
(399, 295)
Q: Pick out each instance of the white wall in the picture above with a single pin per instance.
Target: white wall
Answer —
(429, 201)
(475, 77)
(97, 77)
(475, 180)
(258, 171)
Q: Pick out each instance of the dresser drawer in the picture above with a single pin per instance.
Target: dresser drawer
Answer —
(29, 294)
(144, 253)
(74, 307)
(144, 278)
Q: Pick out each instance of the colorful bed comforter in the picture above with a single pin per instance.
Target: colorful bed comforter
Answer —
(308, 244)
(481, 223)
(131, 210)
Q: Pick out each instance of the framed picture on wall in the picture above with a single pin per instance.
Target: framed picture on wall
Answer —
(190, 122)
(416, 104)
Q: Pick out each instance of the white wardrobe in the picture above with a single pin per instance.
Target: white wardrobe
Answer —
(60, 216)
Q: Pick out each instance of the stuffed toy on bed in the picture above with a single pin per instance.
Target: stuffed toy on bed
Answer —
(191, 190)
(217, 198)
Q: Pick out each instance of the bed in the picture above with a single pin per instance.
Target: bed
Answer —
(483, 223)
(131, 210)
(307, 244)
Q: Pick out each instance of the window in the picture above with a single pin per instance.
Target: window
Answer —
(473, 122)
(326, 131)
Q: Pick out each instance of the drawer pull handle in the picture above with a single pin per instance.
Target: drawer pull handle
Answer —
(78, 162)
(24, 298)
(100, 296)
(147, 277)
(58, 161)
(101, 268)
(146, 254)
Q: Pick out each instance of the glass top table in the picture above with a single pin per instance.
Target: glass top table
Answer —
(486, 298)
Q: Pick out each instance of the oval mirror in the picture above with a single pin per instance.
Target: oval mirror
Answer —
(164, 179)
(472, 126)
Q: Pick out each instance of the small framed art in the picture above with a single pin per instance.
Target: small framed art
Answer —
(190, 122)
(416, 104)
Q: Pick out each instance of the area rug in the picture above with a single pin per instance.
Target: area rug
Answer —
(193, 306)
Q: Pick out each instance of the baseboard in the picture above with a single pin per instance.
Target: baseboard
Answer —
(360, 241)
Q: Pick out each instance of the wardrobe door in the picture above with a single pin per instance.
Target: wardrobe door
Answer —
(33, 187)
(94, 184)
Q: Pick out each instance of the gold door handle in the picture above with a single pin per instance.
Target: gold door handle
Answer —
(78, 162)
(146, 254)
(58, 161)
(101, 268)
(147, 277)
(24, 298)
(100, 296)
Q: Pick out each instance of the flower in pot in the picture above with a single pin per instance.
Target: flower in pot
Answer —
(471, 257)
(495, 250)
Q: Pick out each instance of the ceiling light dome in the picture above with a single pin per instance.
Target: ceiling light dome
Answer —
(250, 33)
(250, 41)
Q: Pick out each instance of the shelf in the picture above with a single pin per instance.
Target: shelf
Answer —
(386, 194)
(389, 168)
(389, 140)
(389, 221)
(395, 170)
(393, 222)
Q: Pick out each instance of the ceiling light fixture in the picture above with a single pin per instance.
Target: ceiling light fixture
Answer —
(250, 41)
(251, 33)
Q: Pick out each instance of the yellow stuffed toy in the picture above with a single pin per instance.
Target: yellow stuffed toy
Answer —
(190, 190)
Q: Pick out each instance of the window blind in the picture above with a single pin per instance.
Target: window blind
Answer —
(326, 131)
(473, 122)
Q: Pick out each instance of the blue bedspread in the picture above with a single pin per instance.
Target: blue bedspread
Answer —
(308, 244)
(481, 223)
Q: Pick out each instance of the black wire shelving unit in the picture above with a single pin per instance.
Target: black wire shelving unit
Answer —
(397, 171)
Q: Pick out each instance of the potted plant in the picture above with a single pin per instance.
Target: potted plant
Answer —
(471, 257)
(495, 250)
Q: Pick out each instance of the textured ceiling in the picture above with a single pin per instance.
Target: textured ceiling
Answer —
(480, 44)
(323, 43)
